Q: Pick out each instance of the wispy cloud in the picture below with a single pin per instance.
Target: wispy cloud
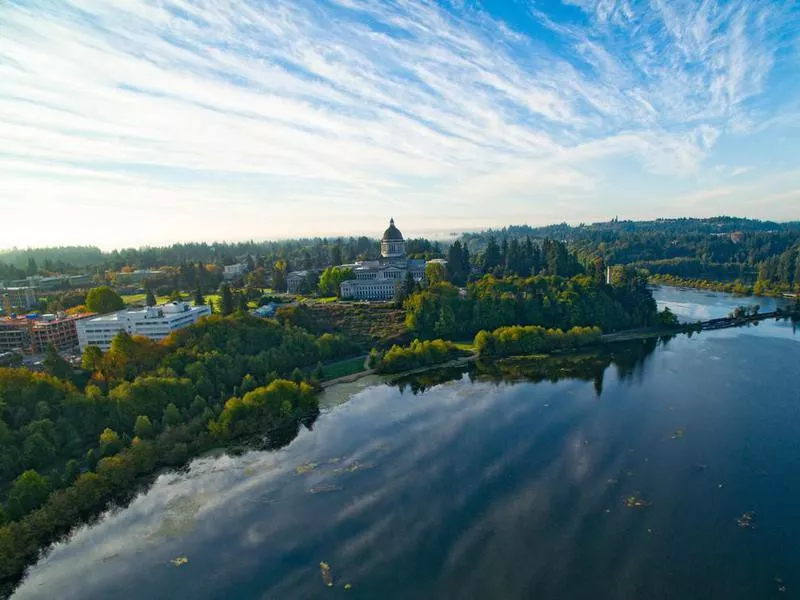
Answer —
(324, 115)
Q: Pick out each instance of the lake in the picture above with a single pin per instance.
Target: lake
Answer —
(658, 469)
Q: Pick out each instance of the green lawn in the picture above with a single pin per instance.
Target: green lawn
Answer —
(467, 346)
(139, 299)
(342, 368)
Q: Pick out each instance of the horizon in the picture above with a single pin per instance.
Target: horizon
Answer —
(431, 235)
(141, 125)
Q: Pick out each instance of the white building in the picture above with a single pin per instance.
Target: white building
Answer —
(234, 271)
(378, 279)
(154, 322)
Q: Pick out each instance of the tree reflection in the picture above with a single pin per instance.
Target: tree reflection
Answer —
(629, 359)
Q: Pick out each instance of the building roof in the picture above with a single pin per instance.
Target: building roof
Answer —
(392, 233)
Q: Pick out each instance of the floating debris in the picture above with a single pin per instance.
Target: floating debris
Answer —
(700, 467)
(636, 502)
(677, 434)
(333, 461)
(747, 520)
(179, 561)
(781, 584)
(325, 487)
(612, 481)
(306, 468)
(347, 586)
(325, 572)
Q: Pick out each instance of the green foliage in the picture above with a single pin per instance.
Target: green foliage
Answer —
(104, 300)
(435, 273)
(143, 427)
(417, 354)
(28, 491)
(92, 358)
(280, 270)
(55, 365)
(171, 415)
(520, 340)
(109, 442)
(554, 302)
(331, 280)
(666, 318)
(226, 303)
(150, 298)
(279, 402)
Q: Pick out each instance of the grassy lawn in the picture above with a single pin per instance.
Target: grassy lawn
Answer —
(342, 368)
(139, 299)
(467, 346)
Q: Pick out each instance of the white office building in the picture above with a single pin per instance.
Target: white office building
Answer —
(154, 322)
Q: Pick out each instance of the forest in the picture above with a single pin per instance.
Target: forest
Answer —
(442, 311)
(724, 249)
(73, 443)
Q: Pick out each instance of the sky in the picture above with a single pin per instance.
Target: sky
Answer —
(134, 122)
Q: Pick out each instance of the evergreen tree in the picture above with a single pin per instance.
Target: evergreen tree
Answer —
(226, 299)
(199, 300)
(241, 301)
(55, 365)
(336, 255)
(491, 256)
(150, 298)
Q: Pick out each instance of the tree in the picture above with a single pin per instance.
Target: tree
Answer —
(150, 298)
(143, 427)
(226, 299)
(258, 278)
(109, 442)
(28, 492)
(32, 268)
(336, 255)
(171, 416)
(435, 273)
(104, 300)
(241, 301)
(491, 257)
(199, 300)
(330, 281)
(55, 365)
(279, 272)
(456, 271)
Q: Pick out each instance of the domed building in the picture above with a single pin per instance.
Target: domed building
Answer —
(393, 246)
(378, 279)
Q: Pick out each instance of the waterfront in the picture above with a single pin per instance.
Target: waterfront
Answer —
(485, 485)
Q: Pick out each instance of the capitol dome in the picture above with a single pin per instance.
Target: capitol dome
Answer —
(393, 247)
(392, 233)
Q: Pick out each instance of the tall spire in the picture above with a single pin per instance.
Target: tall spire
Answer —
(391, 221)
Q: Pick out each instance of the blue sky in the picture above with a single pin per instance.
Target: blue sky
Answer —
(146, 122)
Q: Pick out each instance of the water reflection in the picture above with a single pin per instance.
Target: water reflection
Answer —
(628, 358)
(492, 482)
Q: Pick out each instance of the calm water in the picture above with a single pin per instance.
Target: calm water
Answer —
(484, 488)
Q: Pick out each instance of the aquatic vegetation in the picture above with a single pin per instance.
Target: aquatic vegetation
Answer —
(179, 561)
(306, 468)
(747, 520)
(355, 466)
(347, 586)
(636, 502)
(325, 573)
(325, 487)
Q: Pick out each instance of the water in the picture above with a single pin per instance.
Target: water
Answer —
(491, 486)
